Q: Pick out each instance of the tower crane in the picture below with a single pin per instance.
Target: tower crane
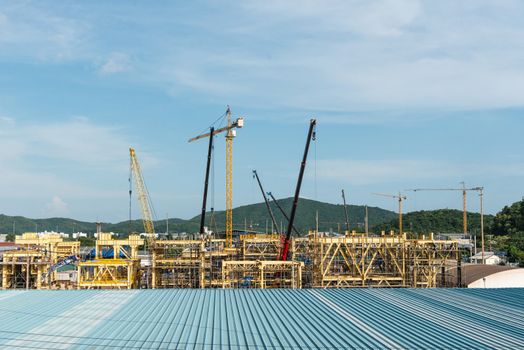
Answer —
(143, 198)
(401, 200)
(230, 135)
(464, 191)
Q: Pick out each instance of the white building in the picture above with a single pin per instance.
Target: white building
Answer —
(77, 235)
(490, 258)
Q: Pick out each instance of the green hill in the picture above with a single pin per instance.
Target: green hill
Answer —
(330, 216)
(437, 221)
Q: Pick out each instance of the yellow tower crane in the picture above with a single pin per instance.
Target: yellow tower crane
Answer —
(401, 200)
(464, 191)
(143, 198)
(230, 135)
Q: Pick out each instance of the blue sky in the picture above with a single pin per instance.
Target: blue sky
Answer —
(407, 94)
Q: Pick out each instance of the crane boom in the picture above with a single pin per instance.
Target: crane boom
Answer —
(464, 191)
(143, 197)
(282, 211)
(255, 175)
(239, 123)
(401, 199)
(345, 210)
(206, 182)
(285, 245)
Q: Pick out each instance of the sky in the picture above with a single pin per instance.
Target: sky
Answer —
(407, 94)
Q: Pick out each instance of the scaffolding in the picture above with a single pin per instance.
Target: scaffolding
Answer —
(32, 265)
(115, 265)
(358, 260)
(178, 264)
(316, 261)
(262, 274)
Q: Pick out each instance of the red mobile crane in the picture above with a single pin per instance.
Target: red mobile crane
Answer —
(285, 243)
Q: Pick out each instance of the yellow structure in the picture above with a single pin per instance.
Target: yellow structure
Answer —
(379, 261)
(30, 266)
(178, 264)
(230, 135)
(262, 274)
(353, 260)
(122, 271)
(143, 198)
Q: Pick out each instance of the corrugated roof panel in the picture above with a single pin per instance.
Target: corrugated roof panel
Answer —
(273, 319)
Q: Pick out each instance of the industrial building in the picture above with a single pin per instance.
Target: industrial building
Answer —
(272, 319)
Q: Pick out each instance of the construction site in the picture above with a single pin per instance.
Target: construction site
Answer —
(285, 259)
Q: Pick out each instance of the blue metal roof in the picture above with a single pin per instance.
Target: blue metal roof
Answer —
(239, 319)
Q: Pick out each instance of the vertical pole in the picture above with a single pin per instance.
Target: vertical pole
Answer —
(465, 208)
(316, 221)
(366, 221)
(27, 274)
(482, 222)
(400, 213)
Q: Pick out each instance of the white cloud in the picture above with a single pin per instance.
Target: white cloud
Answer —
(30, 30)
(56, 207)
(116, 62)
(381, 18)
(74, 157)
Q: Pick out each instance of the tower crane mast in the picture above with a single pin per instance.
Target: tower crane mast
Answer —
(401, 200)
(143, 198)
(230, 135)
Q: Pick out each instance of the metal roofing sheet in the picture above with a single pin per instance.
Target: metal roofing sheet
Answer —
(238, 319)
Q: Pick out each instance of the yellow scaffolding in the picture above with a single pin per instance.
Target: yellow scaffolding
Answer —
(262, 274)
(120, 272)
(30, 266)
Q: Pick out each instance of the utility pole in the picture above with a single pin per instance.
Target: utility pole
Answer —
(482, 222)
(366, 221)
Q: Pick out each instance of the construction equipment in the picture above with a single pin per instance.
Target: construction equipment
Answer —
(345, 210)
(206, 182)
(143, 198)
(401, 199)
(464, 191)
(255, 175)
(282, 211)
(230, 135)
(285, 243)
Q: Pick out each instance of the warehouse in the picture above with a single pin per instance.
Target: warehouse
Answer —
(239, 319)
